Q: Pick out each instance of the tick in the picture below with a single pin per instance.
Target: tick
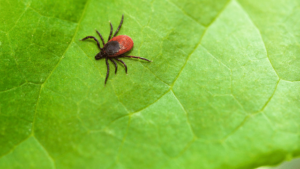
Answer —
(115, 48)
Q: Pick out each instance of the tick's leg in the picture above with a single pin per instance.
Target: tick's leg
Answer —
(138, 58)
(107, 73)
(101, 38)
(98, 44)
(116, 66)
(119, 26)
(111, 31)
(123, 64)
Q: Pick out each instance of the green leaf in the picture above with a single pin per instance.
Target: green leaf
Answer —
(223, 90)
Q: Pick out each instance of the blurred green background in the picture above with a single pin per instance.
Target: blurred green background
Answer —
(293, 164)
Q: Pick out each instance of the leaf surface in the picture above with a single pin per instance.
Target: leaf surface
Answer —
(222, 91)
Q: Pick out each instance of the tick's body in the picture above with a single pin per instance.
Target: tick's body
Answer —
(118, 45)
(114, 48)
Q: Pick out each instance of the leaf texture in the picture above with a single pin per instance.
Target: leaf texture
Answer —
(222, 91)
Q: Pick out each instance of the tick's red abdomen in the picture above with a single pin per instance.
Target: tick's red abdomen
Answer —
(125, 42)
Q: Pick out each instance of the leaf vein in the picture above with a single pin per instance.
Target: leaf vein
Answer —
(260, 37)
(26, 8)
(251, 115)
(41, 88)
(186, 114)
(185, 12)
(198, 44)
(13, 88)
(14, 147)
(49, 156)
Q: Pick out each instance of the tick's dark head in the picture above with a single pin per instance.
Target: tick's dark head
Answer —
(100, 55)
